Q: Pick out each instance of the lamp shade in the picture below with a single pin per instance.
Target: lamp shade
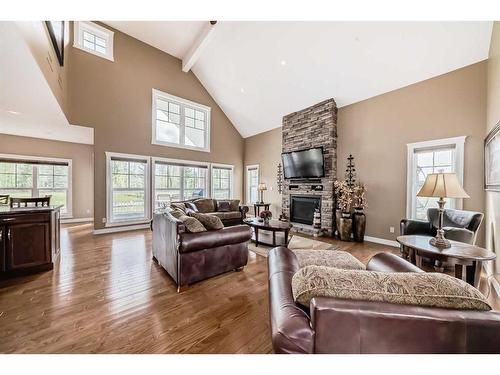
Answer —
(262, 186)
(442, 185)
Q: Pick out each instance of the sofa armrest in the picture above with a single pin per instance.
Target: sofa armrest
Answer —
(387, 262)
(290, 326)
(243, 210)
(190, 242)
(349, 326)
(410, 226)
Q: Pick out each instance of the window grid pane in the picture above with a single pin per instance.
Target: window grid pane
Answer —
(221, 180)
(128, 198)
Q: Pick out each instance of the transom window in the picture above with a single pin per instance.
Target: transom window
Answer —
(222, 182)
(175, 181)
(128, 181)
(37, 178)
(425, 158)
(180, 123)
(94, 39)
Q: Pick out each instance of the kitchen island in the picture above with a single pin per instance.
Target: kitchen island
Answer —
(29, 239)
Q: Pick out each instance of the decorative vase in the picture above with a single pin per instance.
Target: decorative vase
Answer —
(345, 228)
(266, 221)
(359, 225)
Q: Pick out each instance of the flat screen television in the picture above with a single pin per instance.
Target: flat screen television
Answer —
(303, 164)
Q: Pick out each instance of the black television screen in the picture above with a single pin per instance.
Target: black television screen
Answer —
(303, 164)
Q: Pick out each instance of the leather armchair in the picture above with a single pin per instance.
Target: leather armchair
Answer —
(336, 326)
(191, 257)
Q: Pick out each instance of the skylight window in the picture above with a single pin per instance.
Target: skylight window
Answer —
(93, 38)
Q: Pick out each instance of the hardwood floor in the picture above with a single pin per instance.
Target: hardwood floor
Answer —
(107, 296)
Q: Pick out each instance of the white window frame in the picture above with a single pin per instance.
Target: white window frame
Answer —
(231, 181)
(80, 26)
(459, 145)
(69, 200)
(247, 184)
(109, 190)
(177, 161)
(182, 103)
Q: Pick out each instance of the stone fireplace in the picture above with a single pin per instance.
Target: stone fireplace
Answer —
(311, 127)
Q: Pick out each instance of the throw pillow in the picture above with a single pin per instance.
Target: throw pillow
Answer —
(191, 206)
(179, 205)
(407, 288)
(223, 206)
(328, 258)
(210, 222)
(192, 224)
(234, 205)
(205, 205)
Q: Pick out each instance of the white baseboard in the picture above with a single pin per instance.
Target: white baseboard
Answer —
(382, 241)
(492, 280)
(77, 220)
(121, 229)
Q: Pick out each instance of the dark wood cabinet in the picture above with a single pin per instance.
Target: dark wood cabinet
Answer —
(29, 240)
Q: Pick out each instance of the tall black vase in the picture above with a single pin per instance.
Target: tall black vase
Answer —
(359, 225)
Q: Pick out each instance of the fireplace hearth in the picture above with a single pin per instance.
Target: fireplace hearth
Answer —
(302, 208)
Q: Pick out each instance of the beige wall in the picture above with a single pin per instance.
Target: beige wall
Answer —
(376, 132)
(82, 166)
(493, 117)
(115, 99)
(264, 149)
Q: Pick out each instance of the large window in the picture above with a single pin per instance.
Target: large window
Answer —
(176, 180)
(252, 183)
(424, 158)
(94, 39)
(32, 177)
(128, 188)
(180, 123)
(222, 181)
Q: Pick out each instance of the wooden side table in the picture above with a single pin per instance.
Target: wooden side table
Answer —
(257, 206)
(468, 258)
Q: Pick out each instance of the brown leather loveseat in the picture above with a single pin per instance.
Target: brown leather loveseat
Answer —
(234, 214)
(192, 257)
(348, 326)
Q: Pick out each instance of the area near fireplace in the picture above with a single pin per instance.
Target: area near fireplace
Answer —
(314, 126)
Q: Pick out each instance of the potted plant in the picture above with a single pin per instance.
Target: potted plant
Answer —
(344, 195)
(359, 217)
(266, 215)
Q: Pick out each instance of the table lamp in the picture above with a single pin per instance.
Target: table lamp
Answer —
(262, 186)
(441, 185)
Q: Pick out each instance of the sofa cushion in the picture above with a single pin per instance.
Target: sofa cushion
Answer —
(223, 206)
(191, 206)
(234, 205)
(205, 205)
(192, 224)
(220, 215)
(179, 205)
(328, 258)
(422, 289)
(210, 222)
(228, 236)
(231, 215)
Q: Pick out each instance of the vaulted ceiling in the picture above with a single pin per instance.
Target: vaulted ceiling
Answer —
(260, 71)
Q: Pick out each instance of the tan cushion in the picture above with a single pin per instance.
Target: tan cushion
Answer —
(422, 289)
(220, 215)
(328, 258)
(210, 222)
(192, 224)
(179, 205)
(231, 215)
(205, 205)
(234, 205)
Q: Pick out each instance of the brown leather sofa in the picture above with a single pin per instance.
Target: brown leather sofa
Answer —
(192, 257)
(209, 206)
(347, 326)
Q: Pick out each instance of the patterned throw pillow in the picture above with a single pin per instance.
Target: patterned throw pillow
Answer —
(328, 258)
(179, 206)
(210, 222)
(223, 206)
(406, 288)
(192, 224)
(204, 205)
(234, 205)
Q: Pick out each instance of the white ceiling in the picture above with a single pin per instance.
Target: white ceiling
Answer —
(260, 71)
(27, 105)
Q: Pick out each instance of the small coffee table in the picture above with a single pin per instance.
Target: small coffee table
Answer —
(273, 226)
(468, 258)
